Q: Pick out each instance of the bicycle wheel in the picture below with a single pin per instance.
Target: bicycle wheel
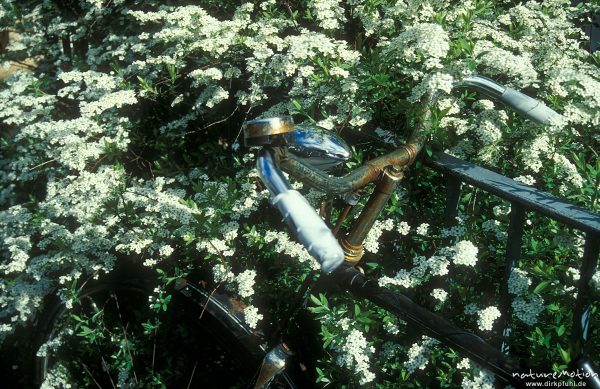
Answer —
(207, 347)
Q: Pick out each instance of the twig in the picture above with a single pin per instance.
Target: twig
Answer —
(208, 300)
(213, 123)
(105, 365)
(154, 350)
(242, 127)
(91, 376)
(126, 340)
(192, 377)
(42, 164)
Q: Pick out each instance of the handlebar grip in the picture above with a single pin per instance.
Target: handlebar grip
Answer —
(310, 229)
(527, 106)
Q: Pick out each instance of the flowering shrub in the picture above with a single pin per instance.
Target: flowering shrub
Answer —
(123, 144)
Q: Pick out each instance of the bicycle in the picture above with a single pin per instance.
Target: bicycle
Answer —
(306, 153)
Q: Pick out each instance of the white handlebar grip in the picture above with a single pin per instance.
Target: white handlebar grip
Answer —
(527, 106)
(310, 229)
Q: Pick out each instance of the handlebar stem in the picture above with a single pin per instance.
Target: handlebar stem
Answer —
(353, 243)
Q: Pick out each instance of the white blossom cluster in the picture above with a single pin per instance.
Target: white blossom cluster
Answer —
(595, 281)
(439, 294)
(285, 245)
(245, 281)
(528, 310)
(482, 378)
(518, 282)
(422, 229)
(403, 228)
(57, 377)
(464, 363)
(418, 354)
(486, 318)
(423, 269)
(251, 316)
(422, 42)
(355, 353)
(526, 306)
(371, 242)
(329, 13)
(465, 253)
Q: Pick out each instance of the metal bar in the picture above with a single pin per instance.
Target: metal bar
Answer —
(383, 191)
(453, 186)
(464, 342)
(589, 371)
(513, 252)
(581, 314)
(514, 191)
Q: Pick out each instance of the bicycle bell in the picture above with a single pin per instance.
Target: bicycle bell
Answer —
(319, 147)
(270, 131)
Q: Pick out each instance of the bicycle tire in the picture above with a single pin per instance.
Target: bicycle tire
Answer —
(223, 325)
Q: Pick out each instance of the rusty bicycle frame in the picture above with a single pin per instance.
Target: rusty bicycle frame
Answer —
(386, 172)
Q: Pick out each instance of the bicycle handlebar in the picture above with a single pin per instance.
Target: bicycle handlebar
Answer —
(300, 216)
(404, 155)
(302, 219)
(363, 175)
(519, 102)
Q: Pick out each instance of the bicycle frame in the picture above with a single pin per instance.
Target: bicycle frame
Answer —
(387, 171)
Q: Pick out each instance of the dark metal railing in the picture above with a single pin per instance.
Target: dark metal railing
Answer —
(525, 198)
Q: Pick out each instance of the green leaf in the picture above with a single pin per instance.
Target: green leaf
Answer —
(560, 330)
(541, 286)
(564, 354)
(315, 300)
(324, 300)
(85, 331)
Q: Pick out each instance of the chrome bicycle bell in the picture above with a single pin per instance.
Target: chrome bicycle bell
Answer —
(318, 147)
(270, 131)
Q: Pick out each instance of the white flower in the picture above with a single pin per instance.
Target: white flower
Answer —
(482, 379)
(245, 282)
(422, 229)
(487, 317)
(528, 312)
(251, 316)
(418, 354)
(403, 228)
(574, 273)
(432, 83)
(527, 179)
(371, 242)
(329, 13)
(420, 41)
(518, 282)
(465, 253)
(165, 250)
(440, 294)
(222, 274)
(464, 363)
(355, 355)
(595, 281)
(337, 71)
(391, 328)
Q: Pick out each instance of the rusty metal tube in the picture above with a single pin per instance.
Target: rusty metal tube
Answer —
(353, 243)
(371, 170)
